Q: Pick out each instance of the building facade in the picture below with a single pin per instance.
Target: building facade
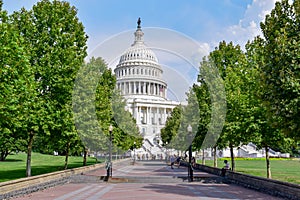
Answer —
(139, 78)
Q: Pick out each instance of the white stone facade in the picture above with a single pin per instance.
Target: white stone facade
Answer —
(139, 79)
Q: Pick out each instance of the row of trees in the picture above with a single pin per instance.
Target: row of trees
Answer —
(42, 53)
(262, 88)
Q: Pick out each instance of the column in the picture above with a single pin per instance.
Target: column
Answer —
(135, 114)
(138, 119)
(148, 88)
(149, 115)
(134, 87)
(144, 87)
(164, 116)
(140, 88)
(158, 116)
(128, 87)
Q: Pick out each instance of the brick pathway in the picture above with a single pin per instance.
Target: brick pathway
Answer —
(146, 180)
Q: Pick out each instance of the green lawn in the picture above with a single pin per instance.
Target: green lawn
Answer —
(287, 170)
(15, 165)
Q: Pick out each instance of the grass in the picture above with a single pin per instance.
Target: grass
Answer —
(287, 170)
(14, 166)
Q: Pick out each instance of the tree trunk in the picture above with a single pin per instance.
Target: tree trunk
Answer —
(268, 162)
(84, 156)
(67, 155)
(203, 157)
(29, 151)
(3, 155)
(232, 157)
(215, 157)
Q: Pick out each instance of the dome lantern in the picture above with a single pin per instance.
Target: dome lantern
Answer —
(138, 34)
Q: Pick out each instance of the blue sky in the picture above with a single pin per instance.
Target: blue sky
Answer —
(205, 22)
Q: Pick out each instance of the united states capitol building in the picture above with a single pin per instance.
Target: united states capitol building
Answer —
(139, 78)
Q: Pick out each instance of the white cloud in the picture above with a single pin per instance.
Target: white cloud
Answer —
(249, 26)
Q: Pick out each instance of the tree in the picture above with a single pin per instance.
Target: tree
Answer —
(84, 104)
(212, 106)
(56, 43)
(189, 117)
(280, 74)
(127, 132)
(266, 135)
(97, 105)
(230, 61)
(172, 125)
(17, 87)
(110, 110)
(204, 114)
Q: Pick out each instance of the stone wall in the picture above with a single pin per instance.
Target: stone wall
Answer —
(270, 186)
(31, 184)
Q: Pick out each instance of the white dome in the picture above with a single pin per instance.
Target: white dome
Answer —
(138, 52)
(138, 72)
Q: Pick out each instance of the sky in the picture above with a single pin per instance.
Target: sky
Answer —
(206, 21)
(202, 22)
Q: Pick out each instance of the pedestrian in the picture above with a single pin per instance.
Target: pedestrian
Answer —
(226, 167)
(173, 158)
(193, 161)
(178, 159)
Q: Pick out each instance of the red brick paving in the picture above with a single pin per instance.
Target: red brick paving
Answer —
(166, 189)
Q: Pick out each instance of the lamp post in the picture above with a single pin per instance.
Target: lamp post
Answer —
(134, 152)
(190, 170)
(166, 152)
(109, 168)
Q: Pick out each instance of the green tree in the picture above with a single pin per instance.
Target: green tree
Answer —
(56, 43)
(127, 131)
(17, 87)
(172, 125)
(189, 117)
(204, 114)
(110, 109)
(258, 122)
(97, 105)
(230, 61)
(84, 104)
(212, 106)
(281, 74)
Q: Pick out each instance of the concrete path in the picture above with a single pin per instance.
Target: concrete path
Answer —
(146, 180)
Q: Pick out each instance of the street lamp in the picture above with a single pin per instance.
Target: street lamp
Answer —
(166, 152)
(109, 167)
(190, 170)
(134, 152)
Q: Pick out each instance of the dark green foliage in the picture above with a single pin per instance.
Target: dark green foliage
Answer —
(172, 125)
(281, 72)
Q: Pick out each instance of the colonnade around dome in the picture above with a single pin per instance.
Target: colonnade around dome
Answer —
(142, 87)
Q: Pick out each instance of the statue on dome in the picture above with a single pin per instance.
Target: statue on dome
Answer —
(139, 22)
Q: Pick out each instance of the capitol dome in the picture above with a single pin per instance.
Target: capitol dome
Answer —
(138, 52)
(138, 71)
(140, 82)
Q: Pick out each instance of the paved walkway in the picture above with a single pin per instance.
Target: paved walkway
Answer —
(146, 180)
